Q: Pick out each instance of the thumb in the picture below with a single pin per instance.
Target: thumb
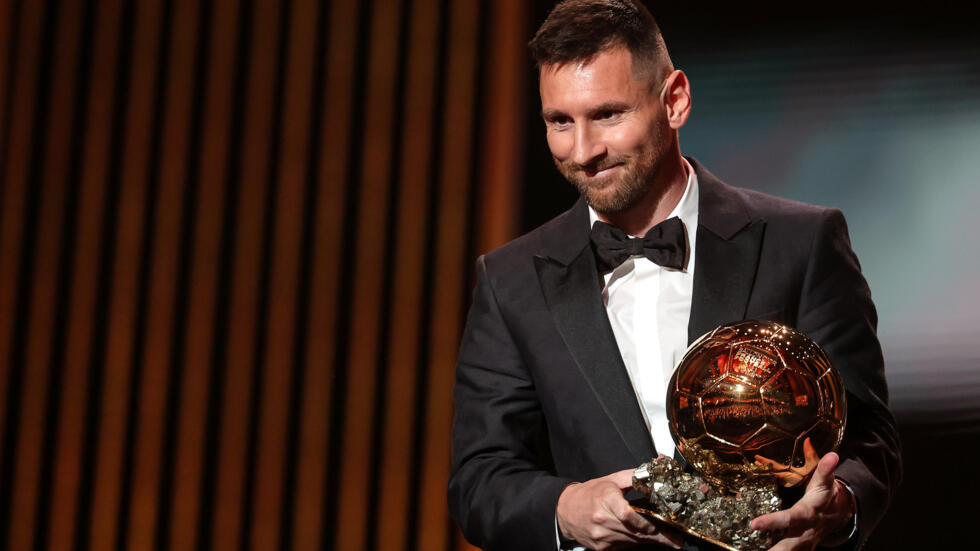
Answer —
(823, 476)
(622, 479)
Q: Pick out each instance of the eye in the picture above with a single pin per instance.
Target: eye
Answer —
(559, 122)
(607, 114)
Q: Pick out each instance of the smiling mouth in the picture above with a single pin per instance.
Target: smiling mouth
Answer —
(599, 172)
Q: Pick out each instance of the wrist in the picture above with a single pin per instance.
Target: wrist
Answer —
(562, 527)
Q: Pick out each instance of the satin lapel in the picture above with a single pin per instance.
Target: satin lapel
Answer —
(724, 271)
(572, 293)
(727, 255)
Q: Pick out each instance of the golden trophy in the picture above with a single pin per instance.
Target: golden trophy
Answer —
(752, 407)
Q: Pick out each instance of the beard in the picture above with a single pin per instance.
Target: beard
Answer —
(614, 193)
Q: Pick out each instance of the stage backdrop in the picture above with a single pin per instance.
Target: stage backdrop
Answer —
(236, 248)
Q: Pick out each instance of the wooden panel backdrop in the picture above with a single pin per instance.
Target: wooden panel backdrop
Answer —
(235, 255)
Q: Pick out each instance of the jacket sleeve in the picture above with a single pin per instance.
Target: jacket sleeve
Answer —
(501, 490)
(836, 311)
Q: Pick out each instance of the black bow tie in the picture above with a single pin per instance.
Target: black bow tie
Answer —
(664, 244)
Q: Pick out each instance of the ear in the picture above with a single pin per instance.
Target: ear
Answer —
(676, 98)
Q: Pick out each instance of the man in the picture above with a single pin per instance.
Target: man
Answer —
(574, 327)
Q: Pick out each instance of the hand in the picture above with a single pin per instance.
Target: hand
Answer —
(789, 476)
(596, 515)
(825, 509)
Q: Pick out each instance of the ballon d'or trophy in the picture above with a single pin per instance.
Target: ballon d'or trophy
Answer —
(752, 406)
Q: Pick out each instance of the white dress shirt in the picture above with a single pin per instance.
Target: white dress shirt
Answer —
(649, 307)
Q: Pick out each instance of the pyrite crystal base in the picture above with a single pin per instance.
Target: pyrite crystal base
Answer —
(690, 504)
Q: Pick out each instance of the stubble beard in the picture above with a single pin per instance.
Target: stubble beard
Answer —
(626, 192)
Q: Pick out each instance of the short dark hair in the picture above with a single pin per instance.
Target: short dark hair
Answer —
(578, 30)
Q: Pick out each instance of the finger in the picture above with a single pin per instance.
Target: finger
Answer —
(780, 520)
(651, 531)
(637, 523)
(607, 537)
(615, 531)
(618, 512)
(788, 479)
(776, 465)
(760, 460)
(607, 527)
(622, 479)
(641, 525)
(809, 452)
(823, 476)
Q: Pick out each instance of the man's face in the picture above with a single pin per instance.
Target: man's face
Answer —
(607, 131)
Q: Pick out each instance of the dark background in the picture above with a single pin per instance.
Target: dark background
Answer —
(236, 242)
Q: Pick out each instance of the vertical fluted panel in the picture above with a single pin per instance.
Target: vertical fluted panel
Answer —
(398, 365)
(104, 507)
(504, 103)
(224, 520)
(20, 119)
(236, 241)
(94, 205)
(50, 209)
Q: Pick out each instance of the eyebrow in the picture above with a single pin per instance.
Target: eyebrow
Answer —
(551, 114)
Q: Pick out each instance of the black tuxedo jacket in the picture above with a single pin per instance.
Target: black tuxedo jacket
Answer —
(542, 395)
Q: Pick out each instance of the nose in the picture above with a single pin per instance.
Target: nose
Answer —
(588, 146)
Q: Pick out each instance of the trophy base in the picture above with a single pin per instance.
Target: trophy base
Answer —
(678, 527)
(686, 502)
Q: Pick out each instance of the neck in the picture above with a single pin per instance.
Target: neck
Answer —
(661, 199)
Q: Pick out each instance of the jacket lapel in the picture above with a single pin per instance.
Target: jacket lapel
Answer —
(571, 288)
(726, 257)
